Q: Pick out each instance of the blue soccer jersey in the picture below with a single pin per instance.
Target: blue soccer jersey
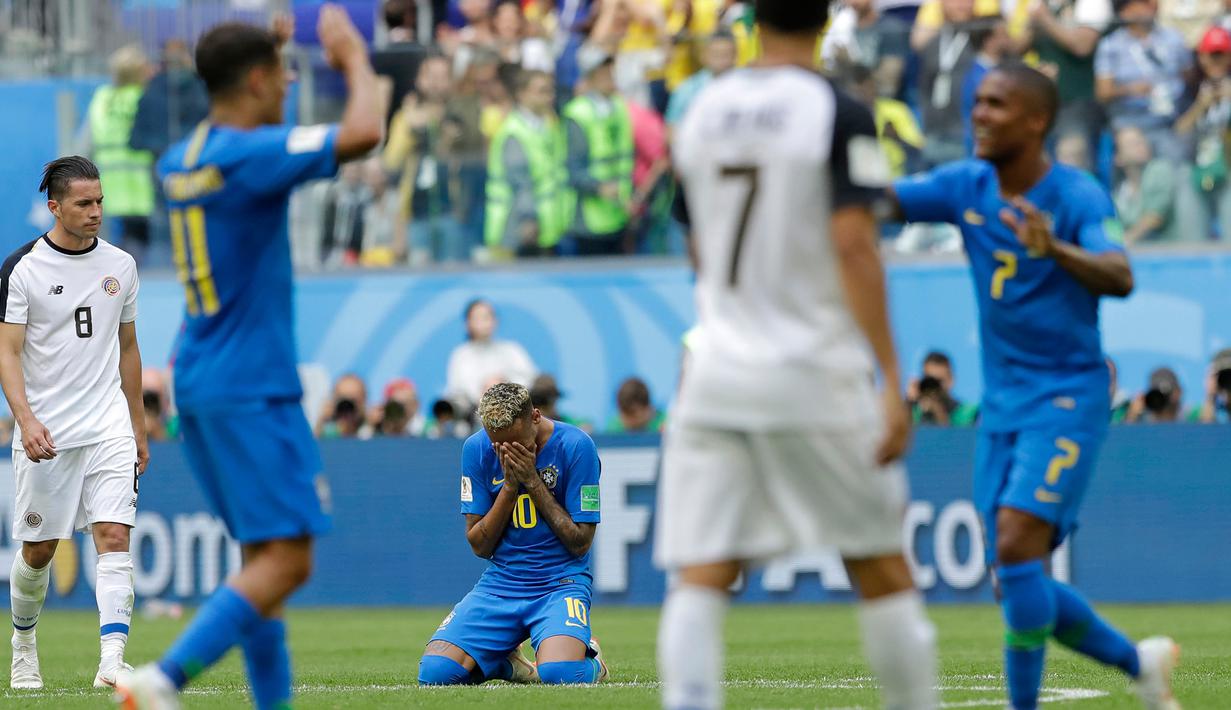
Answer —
(227, 192)
(1039, 326)
(530, 560)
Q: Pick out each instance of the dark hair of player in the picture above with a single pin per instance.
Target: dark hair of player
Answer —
(228, 51)
(59, 173)
(1040, 90)
(793, 16)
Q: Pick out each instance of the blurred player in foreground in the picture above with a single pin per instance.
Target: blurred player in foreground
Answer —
(779, 441)
(71, 372)
(236, 385)
(1044, 246)
(529, 492)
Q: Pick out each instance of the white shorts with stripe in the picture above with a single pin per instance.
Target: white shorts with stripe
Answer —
(95, 483)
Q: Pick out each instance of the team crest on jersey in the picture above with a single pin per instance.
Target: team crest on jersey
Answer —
(33, 520)
(549, 475)
(111, 286)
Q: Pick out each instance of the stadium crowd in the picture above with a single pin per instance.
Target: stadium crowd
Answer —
(539, 128)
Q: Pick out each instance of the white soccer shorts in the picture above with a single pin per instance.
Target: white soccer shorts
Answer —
(95, 483)
(751, 496)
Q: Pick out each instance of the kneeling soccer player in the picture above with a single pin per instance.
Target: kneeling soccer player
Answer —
(529, 492)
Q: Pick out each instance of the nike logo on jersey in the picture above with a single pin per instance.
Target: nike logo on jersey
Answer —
(1045, 496)
(497, 482)
(572, 623)
(973, 218)
(55, 291)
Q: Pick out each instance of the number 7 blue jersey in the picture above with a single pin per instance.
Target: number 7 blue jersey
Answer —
(227, 192)
(1038, 326)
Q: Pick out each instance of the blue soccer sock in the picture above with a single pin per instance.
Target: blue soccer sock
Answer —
(269, 665)
(1081, 629)
(1029, 605)
(439, 670)
(221, 623)
(569, 672)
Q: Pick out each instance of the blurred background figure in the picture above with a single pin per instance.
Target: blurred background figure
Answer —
(483, 359)
(345, 414)
(160, 424)
(932, 399)
(635, 411)
(545, 394)
(1145, 190)
(1216, 404)
(1205, 201)
(127, 178)
(398, 414)
(1160, 403)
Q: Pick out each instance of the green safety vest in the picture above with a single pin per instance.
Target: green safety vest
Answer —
(610, 139)
(128, 184)
(546, 150)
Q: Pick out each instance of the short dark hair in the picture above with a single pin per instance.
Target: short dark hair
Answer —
(1038, 86)
(59, 173)
(793, 16)
(937, 357)
(633, 392)
(399, 13)
(525, 77)
(475, 303)
(228, 51)
(722, 35)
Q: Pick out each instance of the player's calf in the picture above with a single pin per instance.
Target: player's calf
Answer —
(440, 670)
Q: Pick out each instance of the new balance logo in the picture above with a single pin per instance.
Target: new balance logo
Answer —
(55, 291)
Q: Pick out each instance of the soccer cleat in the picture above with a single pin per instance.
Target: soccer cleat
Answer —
(110, 671)
(1158, 656)
(523, 670)
(146, 688)
(25, 674)
(603, 671)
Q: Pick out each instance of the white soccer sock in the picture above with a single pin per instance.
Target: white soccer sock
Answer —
(27, 591)
(900, 643)
(114, 592)
(690, 647)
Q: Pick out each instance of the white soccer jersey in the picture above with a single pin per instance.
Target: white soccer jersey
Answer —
(72, 304)
(765, 155)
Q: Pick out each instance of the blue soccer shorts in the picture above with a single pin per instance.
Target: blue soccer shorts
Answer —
(489, 627)
(260, 468)
(1042, 471)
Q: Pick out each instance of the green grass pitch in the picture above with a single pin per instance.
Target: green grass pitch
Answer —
(778, 657)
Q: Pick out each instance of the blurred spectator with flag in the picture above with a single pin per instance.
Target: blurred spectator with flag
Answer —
(126, 174)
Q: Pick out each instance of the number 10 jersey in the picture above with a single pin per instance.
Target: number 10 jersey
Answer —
(72, 304)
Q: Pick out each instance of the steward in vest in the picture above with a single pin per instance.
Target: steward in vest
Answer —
(600, 160)
(527, 192)
(127, 180)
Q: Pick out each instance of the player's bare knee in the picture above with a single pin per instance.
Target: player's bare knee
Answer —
(38, 554)
(111, 537)
(719, 575)
(877, 577)
(1021, 537)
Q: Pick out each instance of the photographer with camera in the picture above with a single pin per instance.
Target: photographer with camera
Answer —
(345, 415)
(931, 398)
(1216, 407)
(1160, 402)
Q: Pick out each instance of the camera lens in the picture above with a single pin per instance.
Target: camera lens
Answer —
(1156, 400)
(1224, 380)
(929, 385)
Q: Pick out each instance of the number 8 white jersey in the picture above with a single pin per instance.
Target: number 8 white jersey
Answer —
(764, 156)
(72, 304)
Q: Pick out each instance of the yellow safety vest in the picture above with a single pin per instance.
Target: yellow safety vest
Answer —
(546, 151)
(128, 184)
(609, 135)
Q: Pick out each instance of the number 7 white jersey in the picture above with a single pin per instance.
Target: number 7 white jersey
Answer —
(72, 304)
(764, 156)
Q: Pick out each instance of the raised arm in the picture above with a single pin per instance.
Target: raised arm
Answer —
(130, 384)
(1106, 273)
(362, 126)
(35, 438)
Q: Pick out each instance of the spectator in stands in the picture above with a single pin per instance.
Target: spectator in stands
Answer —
(1203, 128)
(487, 77)
(1120, 400)
(346, 200)
(398, 60)
(944, 61)
(398, 414)
(600, 160)
(990, 37)
(477, 30)
(465, 111)
(545, 396)
(1064, 34)
(635, 411)
(1191, 18)
(634, 33)
(445, 424)
(1073, 149)
(159, 424)
(900, 136)
(1160, 402)
(1140, 75)
(513, 41)
(384, 236)
(1145, 189)
(1216, 406)
(860, 36)
(651, 230)
(527, 190)
(127, 179)
(483, 358)
(933, 15)
(931, 395)
(345, 414)
(422, 138)
(173, 104)
(719, 58)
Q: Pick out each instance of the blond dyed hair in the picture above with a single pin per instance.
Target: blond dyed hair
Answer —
(128, 66)
(504, 404)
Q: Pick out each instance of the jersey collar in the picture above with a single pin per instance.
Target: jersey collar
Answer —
(70, 252)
